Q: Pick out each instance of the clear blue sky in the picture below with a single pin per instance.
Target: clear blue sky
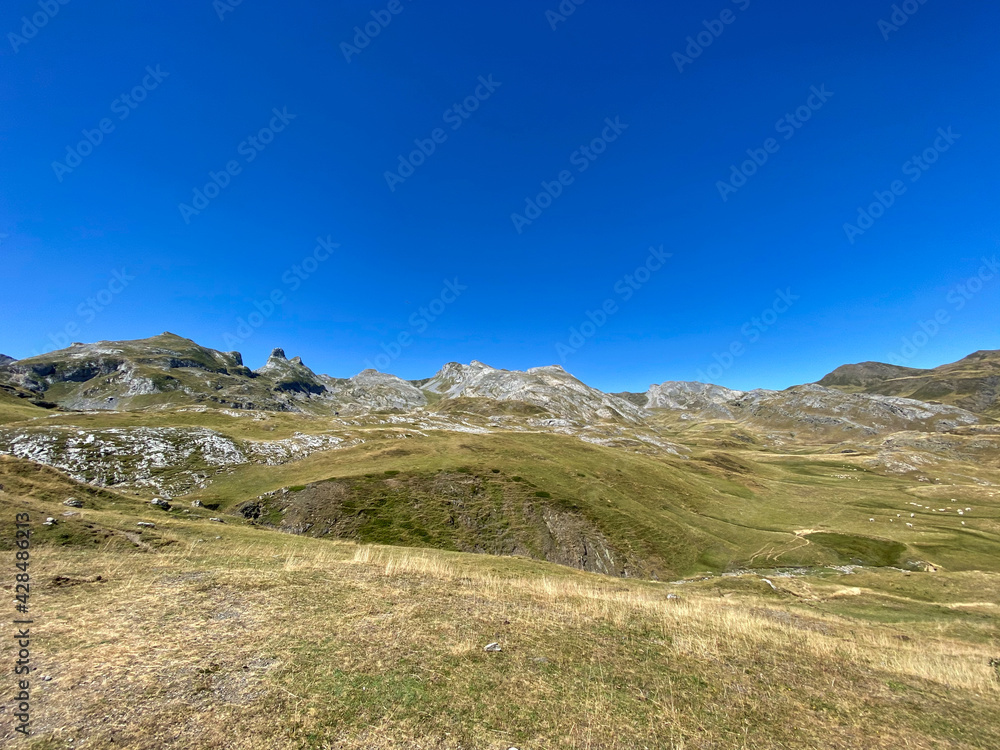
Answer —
(321, 173)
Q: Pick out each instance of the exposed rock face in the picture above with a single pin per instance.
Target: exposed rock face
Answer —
(371, 389)
(4, 359)
(168, 370)
(699, 399)
(808, 407)
(551, 388)
(170, 460)
(290, 376)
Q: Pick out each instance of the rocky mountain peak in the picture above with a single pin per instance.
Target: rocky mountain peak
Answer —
(277, 353)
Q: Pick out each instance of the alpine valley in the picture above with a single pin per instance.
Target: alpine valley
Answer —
(277, 541)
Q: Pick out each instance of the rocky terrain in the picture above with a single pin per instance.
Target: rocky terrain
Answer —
(972, 383)
(488, 537)
(533, 463)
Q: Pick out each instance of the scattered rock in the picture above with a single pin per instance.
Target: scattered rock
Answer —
(73, 503)
(75, 580)
(159, 502)
(46, 678)
(217, 520)
(71, 513)
(50, 521)
(196, 503)
(492, 647)
(146, 525)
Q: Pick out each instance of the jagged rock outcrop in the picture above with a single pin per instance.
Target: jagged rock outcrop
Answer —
(550, 388)
(807, 407)
(290, 375)
(379, 391)
(170, 460)
(700, 400)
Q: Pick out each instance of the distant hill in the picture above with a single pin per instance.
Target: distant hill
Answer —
(972, 383)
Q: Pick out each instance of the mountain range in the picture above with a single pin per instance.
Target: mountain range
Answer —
(681, 478)
(168, 370)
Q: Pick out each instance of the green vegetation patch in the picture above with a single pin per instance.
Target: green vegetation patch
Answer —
(860, 550)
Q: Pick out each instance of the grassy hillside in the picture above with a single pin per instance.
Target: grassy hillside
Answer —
(198, 634)
(658, 515)
(972, 383)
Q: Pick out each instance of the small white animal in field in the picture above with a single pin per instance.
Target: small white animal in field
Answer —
(963, 523)
(961, 512)
(968, 509)
(870, 520)
(910, 525)
(891, 520)
(897, 515)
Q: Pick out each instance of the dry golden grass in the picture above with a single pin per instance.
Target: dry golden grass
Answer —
(260, 640)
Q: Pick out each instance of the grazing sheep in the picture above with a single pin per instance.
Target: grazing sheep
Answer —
(961, 512)
(910, 525)
(871, 520)
(897, 515)
(963, 523)
(913, 515)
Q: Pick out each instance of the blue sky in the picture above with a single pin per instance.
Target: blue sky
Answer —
(333, 236)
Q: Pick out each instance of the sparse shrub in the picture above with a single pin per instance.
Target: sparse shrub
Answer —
(542, 493)
(391, 472)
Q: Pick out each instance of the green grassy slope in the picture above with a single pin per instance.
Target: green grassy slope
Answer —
(661, 515)
(197, 634)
